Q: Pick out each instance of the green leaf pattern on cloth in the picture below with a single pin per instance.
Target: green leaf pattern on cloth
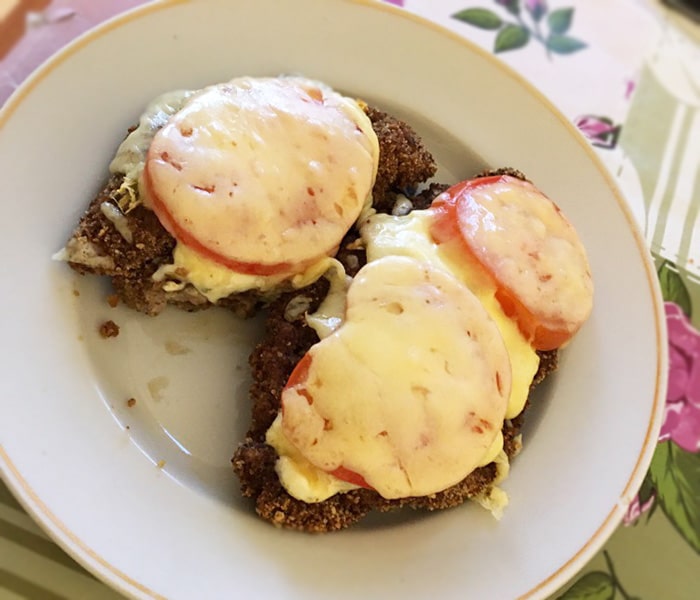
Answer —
(516, 33)
(560, 20)
(595, 585)
(563, 44)
(673, 287)
(676, 477)
(598, 585)
(479, 17)
(511, 37)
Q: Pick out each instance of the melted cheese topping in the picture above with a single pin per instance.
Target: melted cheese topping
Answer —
(214, 281)
(131, 154)
(409, 236)
(331, 312)
(308, 483)
(261, 146)
(410, 392)
(263, 171)
(297, 475)
(495, 500)
(386, 235)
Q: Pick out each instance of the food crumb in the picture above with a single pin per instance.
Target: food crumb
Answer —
(128, 427)
(131, 402)
(175, 348)
(160, 464)
(76, 292)
(156, 386)
(113, 300)
(109, 329)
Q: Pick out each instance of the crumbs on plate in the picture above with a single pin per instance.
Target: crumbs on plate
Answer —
(109, 329)
(113, 300)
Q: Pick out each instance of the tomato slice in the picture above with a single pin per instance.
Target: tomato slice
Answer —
(184, 236)
(263, 176)
(529, 249)
(297, 380)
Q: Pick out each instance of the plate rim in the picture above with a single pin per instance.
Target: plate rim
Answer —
(104, 570)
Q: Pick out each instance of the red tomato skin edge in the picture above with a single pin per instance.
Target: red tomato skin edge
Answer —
(297, 380)
(452, 194)
(539, 336)
(446, 226)
(182, 235)
(351, 477)
(445, 229)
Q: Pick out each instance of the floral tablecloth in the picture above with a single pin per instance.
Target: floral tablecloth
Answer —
(627, 73)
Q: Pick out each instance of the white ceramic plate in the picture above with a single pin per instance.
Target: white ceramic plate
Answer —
(86, 466)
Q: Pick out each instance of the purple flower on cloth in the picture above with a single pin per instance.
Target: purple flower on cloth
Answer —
(602, 132)
(397, 2)
(681, 426)
(636, 509)
(537, 8)
(682, 418)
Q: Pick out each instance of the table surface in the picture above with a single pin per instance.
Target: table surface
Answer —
(627, 73)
